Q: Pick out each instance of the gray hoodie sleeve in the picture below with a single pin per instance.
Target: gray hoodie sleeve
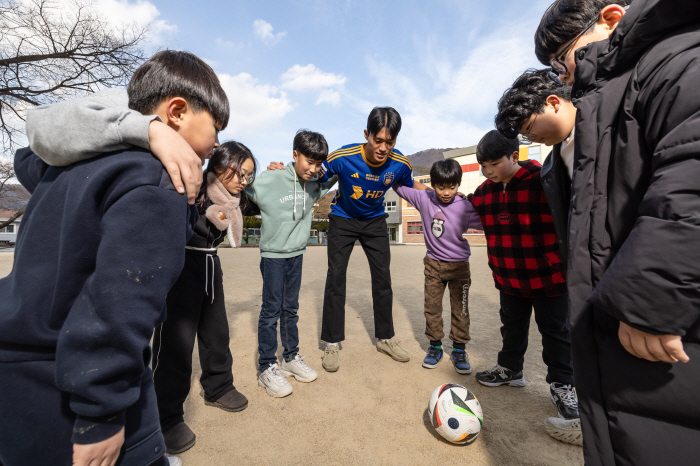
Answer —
(74, 130)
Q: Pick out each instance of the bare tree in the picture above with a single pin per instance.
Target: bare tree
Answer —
(7, 191)
(51, 50)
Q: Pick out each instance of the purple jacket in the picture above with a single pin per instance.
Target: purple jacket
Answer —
(443, 224)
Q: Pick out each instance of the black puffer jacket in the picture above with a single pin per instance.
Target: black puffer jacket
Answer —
(556, 185)
(634, 235)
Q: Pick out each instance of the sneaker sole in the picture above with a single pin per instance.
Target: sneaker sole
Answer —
(430, 366)
(463, 371)
(173, 451)
(512, 383)
(566, 436)
(273, 394)
(225, 408)
(299, 378)
(395, 358)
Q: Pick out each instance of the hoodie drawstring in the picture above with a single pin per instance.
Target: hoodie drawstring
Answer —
(295, 195)
(206, 279)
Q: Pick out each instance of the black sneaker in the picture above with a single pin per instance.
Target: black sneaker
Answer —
(564, 398)
(460, 361)
(499, 375)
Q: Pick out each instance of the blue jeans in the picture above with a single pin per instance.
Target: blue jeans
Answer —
(280, 301)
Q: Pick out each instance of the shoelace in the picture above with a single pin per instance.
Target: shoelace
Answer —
(393, 343)
(276, 376)
(499, 368)
(567, 395)
(433, 352)
(300, 362)
(331, 349)
(460, 357)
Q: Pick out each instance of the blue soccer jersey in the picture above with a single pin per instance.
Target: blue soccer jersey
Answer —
(362, 184)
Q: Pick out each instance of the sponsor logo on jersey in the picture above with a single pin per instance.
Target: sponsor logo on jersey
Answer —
(388, 178)
(357, 192)
(355, 175)
(370, 177)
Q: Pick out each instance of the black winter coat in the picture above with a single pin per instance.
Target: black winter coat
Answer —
(556, 185)
(634, 235)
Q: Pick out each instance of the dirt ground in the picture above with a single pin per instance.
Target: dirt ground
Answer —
(373, 410)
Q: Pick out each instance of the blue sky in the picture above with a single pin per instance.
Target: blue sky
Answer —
(323, 65)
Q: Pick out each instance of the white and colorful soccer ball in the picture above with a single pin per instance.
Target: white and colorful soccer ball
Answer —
(455, 413)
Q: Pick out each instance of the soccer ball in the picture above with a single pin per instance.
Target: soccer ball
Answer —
(455, 413)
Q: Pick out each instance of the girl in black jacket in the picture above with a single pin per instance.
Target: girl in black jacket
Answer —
(196, 303)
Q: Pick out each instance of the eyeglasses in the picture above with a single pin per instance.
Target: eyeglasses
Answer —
(531, 136)
(557, 63)
(248, 179)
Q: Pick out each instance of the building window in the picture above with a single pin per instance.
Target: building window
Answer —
(424, 180)
(533, 153)
(8, 229)
(390, 206)
(415, 228)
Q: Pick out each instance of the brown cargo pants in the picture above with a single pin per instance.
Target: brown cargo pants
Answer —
(439, 274)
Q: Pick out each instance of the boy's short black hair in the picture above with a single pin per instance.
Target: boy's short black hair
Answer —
(446, 172)
(172, 73)
(384, 117)
(494, 146)
(313, 145)
(526, 96)
(563, 21)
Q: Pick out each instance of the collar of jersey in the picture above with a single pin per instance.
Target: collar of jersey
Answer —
(362, 149)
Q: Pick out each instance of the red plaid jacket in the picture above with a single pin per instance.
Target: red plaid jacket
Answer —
(522, 244)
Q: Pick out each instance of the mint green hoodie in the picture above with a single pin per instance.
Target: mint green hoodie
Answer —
(286, 204)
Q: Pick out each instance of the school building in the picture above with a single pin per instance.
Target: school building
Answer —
(411, 228)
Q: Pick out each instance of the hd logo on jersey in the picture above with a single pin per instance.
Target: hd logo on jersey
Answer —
(388, 178)
(357, 192)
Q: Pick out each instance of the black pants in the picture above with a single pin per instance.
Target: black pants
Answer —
(191, 313)
(36, 421)
(551, 315)
(374, 238)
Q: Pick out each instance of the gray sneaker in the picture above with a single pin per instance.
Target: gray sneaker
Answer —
(274, 382)
(392, 348)
(565, 430)
(331, 358)
(174, 461)
(298, 368)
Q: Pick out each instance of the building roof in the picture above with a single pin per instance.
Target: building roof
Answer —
(454, 153)
(5, 214)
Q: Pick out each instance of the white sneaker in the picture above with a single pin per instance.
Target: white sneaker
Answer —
(174, 461)
(274, 382)
(298, 368)
(565, 430)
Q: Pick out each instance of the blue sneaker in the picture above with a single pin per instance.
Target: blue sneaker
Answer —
(433, 357)
(460, 361)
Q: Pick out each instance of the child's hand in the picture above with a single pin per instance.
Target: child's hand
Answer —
(667, 348)
(104, 453)
(275, 166)
(180, 161)
(462, 195)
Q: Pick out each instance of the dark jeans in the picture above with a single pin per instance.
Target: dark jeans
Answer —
(280, 301)
(191, 313)
(551, 315)
(37, 420)
(374, 238)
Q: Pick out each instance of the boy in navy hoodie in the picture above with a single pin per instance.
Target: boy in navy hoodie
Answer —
(102, 243)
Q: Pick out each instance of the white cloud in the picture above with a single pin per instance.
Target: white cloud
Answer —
(329, 96)
(140, 13)
(264, 31)
(306, 78)
(460, 105)
(311, 79)
(254, 106)
(228, 44)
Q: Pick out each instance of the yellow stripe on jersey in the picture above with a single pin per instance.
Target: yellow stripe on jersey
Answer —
(406, 162)
(399, 156)
(344, 152)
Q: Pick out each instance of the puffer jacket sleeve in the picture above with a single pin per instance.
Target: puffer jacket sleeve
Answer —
(653, 283)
